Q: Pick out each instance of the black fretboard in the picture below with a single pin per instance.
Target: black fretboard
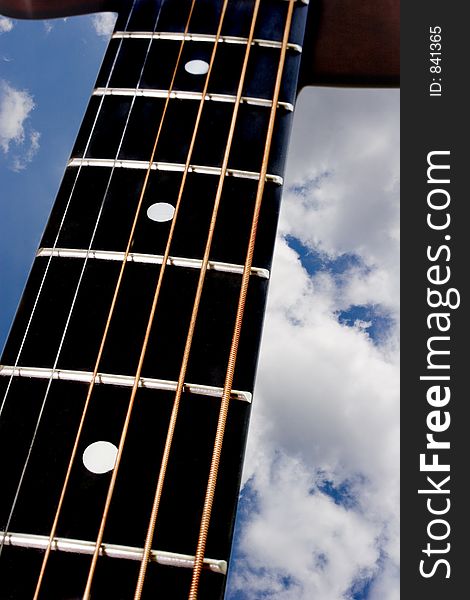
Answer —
(51, 353)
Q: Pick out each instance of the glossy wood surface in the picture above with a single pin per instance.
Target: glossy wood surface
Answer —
(352, 42)
(48, 9)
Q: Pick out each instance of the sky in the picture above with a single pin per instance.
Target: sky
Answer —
(318, 516)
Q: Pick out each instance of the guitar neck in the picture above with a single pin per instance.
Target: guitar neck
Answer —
(124, 338)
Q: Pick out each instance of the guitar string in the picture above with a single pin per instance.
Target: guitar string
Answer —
(212, 481)
(38, 295)
(86, 595)
(123, 265)
(188, 160)
(46, 394)
(187, 349)
(65, 211)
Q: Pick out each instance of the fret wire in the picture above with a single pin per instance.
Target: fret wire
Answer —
(156, 259)
(173, 167)
(195, 311)
(117, 380)
(185, 95)
(152, 311)
(61, 544)
(218, 442)
(202, 37)
(81, 424)
(38, 295)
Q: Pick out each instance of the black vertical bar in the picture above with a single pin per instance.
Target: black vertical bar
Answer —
(435, 134)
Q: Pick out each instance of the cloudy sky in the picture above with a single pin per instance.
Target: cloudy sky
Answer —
(319, 509)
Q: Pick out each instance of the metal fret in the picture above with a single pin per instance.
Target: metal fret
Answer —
(156, 259)
(163, 166)
(118, 380)
(200, 37)
(171, 559)
(183, 95)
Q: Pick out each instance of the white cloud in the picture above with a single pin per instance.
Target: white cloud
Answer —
(21, 161)
(103, 23)
(355, 207)
(5, 24)
(15, 108)
(326, 402)
(304, 538)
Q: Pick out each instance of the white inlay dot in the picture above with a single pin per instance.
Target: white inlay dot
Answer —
(197, 67)
(161, 212)
(100, 457)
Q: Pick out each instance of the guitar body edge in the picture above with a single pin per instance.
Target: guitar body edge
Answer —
(352, 43)
(50, 9)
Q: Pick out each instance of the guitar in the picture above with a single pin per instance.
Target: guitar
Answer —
(104, 394)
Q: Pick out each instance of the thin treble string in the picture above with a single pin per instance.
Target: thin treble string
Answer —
(125, 428)
(46, 394)
(189, 339)
(64, 215)
(212, 482)
(110, 314)
(71, 195)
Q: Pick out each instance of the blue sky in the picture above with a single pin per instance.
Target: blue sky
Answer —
(56, 68)
(318, 516)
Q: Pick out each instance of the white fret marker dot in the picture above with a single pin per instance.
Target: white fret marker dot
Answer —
(197, 67)
(161, 212)
(100, 457)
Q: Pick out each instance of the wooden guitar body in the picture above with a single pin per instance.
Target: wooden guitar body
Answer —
(50, 9)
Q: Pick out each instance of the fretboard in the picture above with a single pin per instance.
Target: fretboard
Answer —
(92, 286)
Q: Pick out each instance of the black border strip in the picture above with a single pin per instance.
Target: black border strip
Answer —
(437, 124)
